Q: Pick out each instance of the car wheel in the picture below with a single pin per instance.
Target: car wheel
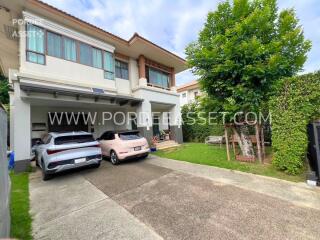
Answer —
(114, 158)
(45, 175)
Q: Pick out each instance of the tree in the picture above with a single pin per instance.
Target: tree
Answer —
(4, 89)
(244, 49)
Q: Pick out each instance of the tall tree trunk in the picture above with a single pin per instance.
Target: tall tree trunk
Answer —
(242, 134)
(227, 142)
(259, 154)
(262, 143)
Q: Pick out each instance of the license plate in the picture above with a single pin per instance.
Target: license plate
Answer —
(137, 148)
(79, 160)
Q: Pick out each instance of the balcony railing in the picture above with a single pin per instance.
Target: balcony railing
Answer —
(157, 86)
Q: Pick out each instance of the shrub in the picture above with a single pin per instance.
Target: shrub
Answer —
(4, 90)
(293, 107)
(196, 130)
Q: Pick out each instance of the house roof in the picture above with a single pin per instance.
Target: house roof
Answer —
(187, 86)
(133, 47)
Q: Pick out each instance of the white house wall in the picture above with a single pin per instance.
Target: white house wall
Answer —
(152, 96)
(39, 114)
(184, 100)
(190, 97)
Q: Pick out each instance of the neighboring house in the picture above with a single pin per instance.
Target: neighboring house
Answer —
(63, 64)
(189, 92)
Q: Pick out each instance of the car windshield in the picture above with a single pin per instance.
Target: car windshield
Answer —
(73, 139)
(129, 136)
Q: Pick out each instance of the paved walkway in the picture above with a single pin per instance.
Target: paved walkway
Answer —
(70, 207)
(165, 199)
(297, 193)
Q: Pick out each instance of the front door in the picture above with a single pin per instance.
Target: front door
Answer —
(155, 126)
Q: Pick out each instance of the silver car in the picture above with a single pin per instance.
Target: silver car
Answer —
(57, 152)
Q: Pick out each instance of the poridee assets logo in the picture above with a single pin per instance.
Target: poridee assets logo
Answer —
(18, 28)
(146, 118)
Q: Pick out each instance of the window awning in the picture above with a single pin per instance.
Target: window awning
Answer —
(57, 91)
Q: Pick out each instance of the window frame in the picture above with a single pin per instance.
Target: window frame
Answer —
(61, 44)
(90, 53)
(35, 52)
(78, 44)
(63, 50)
(115, 68)
(101, 56)
(157, 70)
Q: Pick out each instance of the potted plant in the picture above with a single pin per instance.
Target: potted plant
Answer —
(153, 147)
(162, 135)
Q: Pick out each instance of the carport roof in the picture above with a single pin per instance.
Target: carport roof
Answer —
(114, 98)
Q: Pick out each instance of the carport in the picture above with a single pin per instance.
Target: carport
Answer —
(42, 108)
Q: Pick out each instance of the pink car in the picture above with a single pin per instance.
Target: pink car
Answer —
(123, 145)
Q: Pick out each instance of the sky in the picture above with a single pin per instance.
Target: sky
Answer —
(173, 24)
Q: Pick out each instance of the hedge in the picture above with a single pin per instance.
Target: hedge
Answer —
(196, 131)
(295, 105)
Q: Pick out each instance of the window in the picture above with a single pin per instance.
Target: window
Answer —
(107, 136)
(195, 94)
(85, 54)
(129, 136)
(54, 44)
(158, 78)
(96, 58)
(35, 44)
(122, 70)
(108, 65)
(41, 42)
(184, 95)
(69, 49)
(73, 139)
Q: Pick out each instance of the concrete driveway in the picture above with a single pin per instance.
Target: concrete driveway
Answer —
(165, 199)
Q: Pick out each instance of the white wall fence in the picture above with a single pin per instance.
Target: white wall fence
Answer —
(4, 179)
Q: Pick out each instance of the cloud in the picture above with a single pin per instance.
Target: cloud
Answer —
(174, 24)
(308, 12)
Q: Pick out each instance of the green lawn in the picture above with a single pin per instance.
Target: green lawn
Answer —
(19, 207)
(201, 153)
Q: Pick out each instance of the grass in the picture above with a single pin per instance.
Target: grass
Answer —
(19, 207)
(211, 155)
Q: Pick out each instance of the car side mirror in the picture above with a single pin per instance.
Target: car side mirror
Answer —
(38, 142)
(98, 139)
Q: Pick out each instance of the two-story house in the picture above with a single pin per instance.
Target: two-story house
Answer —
(189, 92)
(59, 65)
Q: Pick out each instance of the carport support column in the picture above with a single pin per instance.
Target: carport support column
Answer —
(175, 124)
(20, 129)
(144, 120)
